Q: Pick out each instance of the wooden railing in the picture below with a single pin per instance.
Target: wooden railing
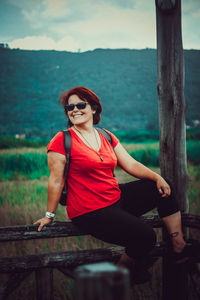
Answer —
(20, 267)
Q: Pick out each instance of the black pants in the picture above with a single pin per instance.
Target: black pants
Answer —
(119, 223)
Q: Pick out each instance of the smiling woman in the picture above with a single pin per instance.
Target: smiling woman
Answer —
(80, 95)
(95, 200)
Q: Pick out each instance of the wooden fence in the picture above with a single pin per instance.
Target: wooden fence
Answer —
(20, 267)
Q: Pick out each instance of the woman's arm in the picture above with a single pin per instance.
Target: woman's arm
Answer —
(136, 169)
(56, 164)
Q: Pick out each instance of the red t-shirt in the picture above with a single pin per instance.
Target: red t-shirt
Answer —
(91, 184)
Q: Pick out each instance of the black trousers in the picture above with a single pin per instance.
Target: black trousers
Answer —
(119, 223)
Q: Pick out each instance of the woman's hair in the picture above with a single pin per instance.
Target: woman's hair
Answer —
(86, 95)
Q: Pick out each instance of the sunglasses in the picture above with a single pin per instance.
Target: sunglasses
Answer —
(80, 105)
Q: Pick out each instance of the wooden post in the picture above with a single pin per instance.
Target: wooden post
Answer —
(101, 281)
(171, 99)
(44, 284)
(172, 125)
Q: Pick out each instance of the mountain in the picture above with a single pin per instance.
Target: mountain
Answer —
(31, 83)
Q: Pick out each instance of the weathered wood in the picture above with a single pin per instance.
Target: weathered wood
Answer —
(44, 284)
(66, 229)
(172, 154)
(71, 259)
(56, 260)
(171, 99)
(102, 281)
(29, 232)
(13, 281)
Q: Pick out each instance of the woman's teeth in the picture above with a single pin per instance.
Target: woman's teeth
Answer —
(76, 116)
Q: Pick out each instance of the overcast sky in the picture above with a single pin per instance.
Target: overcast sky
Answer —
(88, 24)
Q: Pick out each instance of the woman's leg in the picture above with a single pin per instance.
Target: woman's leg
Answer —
(114, 225)
(174, 228)
(142, 196)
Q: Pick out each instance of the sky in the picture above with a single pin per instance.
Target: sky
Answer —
(82, 25)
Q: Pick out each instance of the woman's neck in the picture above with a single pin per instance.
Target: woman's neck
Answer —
(84, 127)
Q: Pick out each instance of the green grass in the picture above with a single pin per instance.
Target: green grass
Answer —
(193, 151)
(29, 165)
(141, 136)
(32, 164)
(24, 201)
(7, 142)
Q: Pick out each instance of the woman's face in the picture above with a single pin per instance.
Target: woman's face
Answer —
(80, 116)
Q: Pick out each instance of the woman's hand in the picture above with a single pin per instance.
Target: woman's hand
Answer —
(42, 222)
(163, 187)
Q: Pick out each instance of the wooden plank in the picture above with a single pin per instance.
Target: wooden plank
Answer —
(66, 229)
(56, 260)
(71, 259)
(44, 284)
(28, 232)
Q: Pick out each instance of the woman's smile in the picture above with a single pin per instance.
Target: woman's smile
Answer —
(79, 116)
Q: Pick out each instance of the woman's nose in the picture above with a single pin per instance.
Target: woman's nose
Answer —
(75, 109)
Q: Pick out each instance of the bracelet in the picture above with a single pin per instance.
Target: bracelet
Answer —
(49, 215)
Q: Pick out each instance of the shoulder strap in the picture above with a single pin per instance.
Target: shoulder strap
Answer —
(106, 135)
(67, 146)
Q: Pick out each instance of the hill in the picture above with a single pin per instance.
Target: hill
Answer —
(31, 83)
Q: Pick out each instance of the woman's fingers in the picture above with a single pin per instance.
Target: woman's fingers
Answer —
(40, 227)
(42, 222)
(163, 188)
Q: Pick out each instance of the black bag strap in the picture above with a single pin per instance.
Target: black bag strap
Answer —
(67, 145)
(106, 135)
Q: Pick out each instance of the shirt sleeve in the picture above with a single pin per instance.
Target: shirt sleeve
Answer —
(57, 144)
(115, 140)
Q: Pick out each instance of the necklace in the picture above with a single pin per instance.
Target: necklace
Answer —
(90, 144)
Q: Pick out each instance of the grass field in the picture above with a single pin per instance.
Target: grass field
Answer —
(23, 200)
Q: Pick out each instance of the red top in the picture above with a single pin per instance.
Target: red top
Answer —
(91, 184)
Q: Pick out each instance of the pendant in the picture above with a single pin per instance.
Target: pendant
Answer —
(101, 157)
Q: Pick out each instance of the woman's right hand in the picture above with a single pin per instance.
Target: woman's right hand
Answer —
(42, 222)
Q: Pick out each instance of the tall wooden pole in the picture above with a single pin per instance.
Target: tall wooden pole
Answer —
(173, 161)
(171, 98)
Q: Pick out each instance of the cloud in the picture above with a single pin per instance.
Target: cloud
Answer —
(122, 3)
(112, 28)
(43, 42)
(94, 24)
(55, 8)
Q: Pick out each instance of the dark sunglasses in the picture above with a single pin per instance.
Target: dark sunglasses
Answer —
(80, 105)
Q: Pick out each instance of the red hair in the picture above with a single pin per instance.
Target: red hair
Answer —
(86, 95)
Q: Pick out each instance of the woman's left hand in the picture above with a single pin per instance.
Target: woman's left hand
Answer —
(163, 187)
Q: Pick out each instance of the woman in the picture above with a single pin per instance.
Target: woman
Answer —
(95, 201)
